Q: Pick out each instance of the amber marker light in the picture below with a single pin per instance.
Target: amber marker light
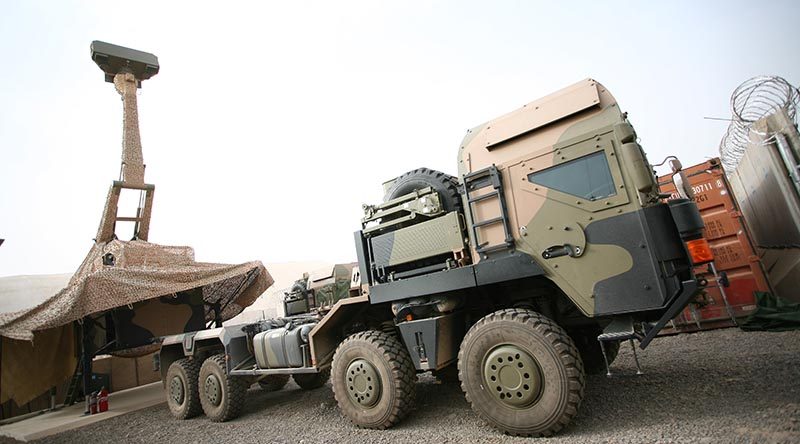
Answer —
(699, 251)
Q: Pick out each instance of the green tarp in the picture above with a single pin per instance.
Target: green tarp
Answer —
(773, 314)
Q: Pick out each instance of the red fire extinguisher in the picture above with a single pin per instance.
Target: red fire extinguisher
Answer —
(102, 400)
(93, 403)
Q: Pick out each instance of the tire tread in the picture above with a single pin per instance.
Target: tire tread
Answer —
(237, 390)
(401, 368)
(568, 354)
(190, 367)
(443, 183)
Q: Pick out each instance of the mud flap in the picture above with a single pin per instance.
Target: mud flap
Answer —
(433, 342)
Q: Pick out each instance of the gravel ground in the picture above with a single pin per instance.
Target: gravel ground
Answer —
(718, 386)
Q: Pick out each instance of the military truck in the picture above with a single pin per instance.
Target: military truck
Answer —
(518, 276)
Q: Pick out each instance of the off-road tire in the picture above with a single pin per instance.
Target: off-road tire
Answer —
(444, 184)
(298, 286)
(231, 390)
(273, 383)
(311, 381)
(392, 364)
(559, 384)
(591, 354)
(184, 372)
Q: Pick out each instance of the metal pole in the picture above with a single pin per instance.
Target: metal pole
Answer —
(86, 356)
(724, 295)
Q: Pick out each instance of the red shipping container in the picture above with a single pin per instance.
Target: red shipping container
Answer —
(732, 247)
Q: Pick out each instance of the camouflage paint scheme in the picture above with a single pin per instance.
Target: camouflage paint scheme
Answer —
(574, 122)
(330, 286)
(135, 327)
(441, 235)
(321, 289)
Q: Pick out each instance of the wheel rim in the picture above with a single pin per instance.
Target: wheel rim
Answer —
(363, 383)
(176, 391)
(213, 390)
(513, 376)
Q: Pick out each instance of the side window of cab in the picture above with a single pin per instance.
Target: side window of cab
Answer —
(587, 177)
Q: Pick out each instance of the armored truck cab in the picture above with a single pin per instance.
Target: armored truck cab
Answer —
(558, 192)
(517, 276)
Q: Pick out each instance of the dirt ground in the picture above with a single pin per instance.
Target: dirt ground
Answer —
(718, 386)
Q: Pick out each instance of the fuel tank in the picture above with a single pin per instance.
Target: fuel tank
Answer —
(282, 347)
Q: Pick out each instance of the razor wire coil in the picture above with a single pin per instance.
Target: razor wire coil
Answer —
(751, 101)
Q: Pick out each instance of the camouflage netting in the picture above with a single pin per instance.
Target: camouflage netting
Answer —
(29, 369)
(141, 271)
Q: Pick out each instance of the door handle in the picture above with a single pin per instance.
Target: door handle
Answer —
(561, 250)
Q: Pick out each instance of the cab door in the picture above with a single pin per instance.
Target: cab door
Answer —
(558, 196)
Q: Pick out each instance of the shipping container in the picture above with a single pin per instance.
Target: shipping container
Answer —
(733, 248)
(769, 199)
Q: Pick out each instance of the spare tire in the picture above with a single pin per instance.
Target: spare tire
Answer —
(444, 184)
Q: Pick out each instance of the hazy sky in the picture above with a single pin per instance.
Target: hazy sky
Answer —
(270, 123)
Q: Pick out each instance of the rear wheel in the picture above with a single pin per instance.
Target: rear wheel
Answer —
(521, 373)
(183, 398)
(310, 381)
(221, 395)
(273, 383)
(374, 381)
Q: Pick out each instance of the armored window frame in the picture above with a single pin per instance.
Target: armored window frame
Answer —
(601, 141)
(588, 177)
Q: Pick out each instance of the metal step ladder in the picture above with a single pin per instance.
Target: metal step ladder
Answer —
(620, 330)
(74, 384)
(487, 177)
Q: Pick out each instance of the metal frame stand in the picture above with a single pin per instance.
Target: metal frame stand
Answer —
(620, 329)
(722, 293)
(636, 358)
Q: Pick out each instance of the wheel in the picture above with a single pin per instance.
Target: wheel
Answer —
(183, 396)
(273, 383)
(221, 395)
(591, 354)
(444, 184)
(374, 381)
(298, 286)
(521, 373)
(310, 381)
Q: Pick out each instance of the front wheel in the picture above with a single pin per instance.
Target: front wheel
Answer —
(221, 395)
(521, 373)
(374, 381)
